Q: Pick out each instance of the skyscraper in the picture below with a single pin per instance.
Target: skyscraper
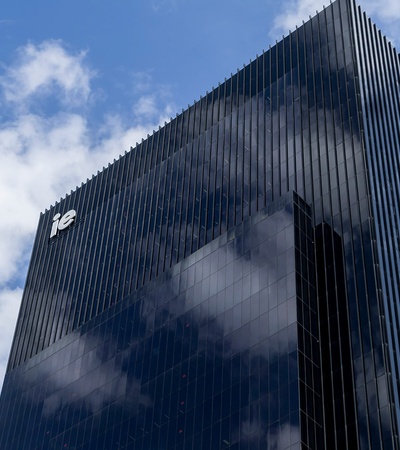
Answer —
(232, 281)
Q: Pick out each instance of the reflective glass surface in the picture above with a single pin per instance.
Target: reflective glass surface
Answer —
(211, 354)
(316, 117)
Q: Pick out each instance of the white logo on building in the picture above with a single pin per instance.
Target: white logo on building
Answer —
(61, 223)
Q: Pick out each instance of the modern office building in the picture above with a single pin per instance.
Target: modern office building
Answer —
(232, 282)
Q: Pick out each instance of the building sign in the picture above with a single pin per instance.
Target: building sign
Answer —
(61, 223)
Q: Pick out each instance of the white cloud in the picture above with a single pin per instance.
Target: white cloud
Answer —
(388, 10)
(164, 5)
(47, 69)
(146, 105)
(386, 13)
(292, 15)
(294, 12)
(44, 156)
(9, 306)
(142, 82)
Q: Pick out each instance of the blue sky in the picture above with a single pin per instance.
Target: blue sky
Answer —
(80, 82)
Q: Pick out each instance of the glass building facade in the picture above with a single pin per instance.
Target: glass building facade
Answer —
(232, 282)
